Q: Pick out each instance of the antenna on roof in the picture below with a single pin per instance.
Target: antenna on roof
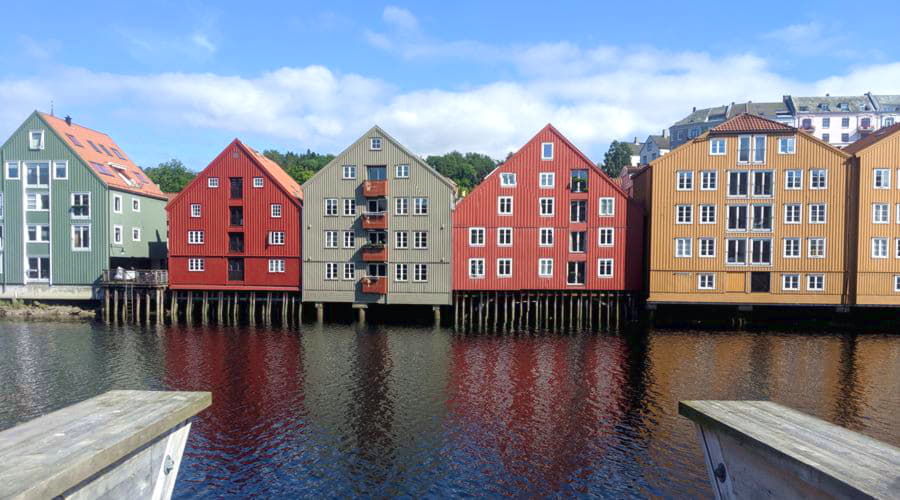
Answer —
(51, 108)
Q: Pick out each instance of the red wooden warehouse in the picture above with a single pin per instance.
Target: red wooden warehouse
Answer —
(236, 226)
(547, 220)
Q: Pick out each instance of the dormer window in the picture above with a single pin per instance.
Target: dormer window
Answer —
(375, 143)
(823, 106)
(36, 139)
(844, 106)
(123, 174)
(547, 151)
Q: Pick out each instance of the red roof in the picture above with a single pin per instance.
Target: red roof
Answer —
(872, 138)
(745, 122)
(273, 169)
(102, 155)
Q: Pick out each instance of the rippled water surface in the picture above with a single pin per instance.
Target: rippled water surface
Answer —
(337, 411)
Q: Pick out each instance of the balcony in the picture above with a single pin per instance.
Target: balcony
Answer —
(374, 220)
(375, 189)
(376, 285)
(866, 128)
(374, 252)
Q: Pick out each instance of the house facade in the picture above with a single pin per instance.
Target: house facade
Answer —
(377, 227)
(751, 212)
(547, 219)
(72, 204)
(654, 147)
(236, 226)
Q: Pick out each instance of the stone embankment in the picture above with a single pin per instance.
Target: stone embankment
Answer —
(17, 309)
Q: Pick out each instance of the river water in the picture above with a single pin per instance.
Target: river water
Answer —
(337, 410)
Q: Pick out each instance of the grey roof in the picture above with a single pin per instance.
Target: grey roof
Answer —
(635, 147)
(886, 102)
(719, 114)
(662, 142)
(831, 104)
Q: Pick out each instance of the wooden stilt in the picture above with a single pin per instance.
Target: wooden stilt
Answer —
(284, 308)
(115, 309)
(160, 306)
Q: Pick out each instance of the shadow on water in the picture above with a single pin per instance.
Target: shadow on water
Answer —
(339, 410)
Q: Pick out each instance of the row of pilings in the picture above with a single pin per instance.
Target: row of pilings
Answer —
(542, 310)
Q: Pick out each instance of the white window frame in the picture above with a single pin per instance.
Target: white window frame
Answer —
(809, 279)
(792, 141)
(117, 199)
(72, 204)
(684, 180)
(349, 239)
(505, 177)
(212, 182)
(500, 232)
(884, 176)
(401, 171)
(195, 237)
(610, 232)
(349, 271)
(475, 261)
(705, 177)
(612, 206)
(812, 177)
(72, 240)
(133, 233)
(546, 231)
(703, 252)
(401, 272)
(275, 210)
(809, 248)
(37, 233)
(541, 263)
(349, 207)
(348, 172)
(797, 175)
(401, 206)
(258, 182)
(500, 262)
(119, 235)
(788, 210)
(706, 286)
(550, 176)
(541, 206)
(199, 210)
(65, 166)
(404, 240)
(873, 247)
(716, 151)
(684, 214)
(329, 203)
(544, 155)
(17, 166)
(886, 213)
(795, 243)
(39, 205)
(500, 200)
(824, 211)
(679, 247)
(331, 238)
(331, 271)
(603, 263)
(796, 281)
(375, 143)
(420, 270)
(420, 206)
(897, 282)
(276, 265)
(277, 237)
(196, 264)
(40, 145)
(135, 204)
(477, 234)
(706, 210)
(418, 238)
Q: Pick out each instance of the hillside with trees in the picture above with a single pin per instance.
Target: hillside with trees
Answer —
(171, 176)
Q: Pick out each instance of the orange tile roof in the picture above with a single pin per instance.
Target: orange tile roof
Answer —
(102, 155)
(273, 169)
(746, 122)
(872, 138)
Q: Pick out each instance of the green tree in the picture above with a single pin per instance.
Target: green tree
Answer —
(618, 157)
(466, 170)
(299, 166)
(171, 176)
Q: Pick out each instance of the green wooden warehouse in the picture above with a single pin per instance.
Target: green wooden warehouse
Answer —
(72, 204)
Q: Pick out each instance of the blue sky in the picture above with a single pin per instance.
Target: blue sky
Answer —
(181, 79)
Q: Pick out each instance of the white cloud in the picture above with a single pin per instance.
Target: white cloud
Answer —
(202, 41)
(400, 17)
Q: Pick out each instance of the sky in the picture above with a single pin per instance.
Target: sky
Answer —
(181, 79)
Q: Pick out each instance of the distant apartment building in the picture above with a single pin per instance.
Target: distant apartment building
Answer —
(654, 147)
(701, 120)
(634, 149)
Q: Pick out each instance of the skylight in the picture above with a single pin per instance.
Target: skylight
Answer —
(93, 145)
(75, 140)
(101, 167)
(117, 153)
(105, 150)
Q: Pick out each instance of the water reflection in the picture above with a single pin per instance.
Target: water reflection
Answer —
(338, 411)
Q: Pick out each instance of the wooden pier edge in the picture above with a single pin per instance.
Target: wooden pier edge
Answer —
(761, 448)
(120, 444)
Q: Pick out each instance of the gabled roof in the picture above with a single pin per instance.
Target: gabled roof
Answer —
(747, 123)
(871, 139)
(661, 141)
(104, 157)
(634, 147)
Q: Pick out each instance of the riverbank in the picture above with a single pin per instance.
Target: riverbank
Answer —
(18, 309)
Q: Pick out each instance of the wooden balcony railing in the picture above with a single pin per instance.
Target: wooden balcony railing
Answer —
(142, 277)
(374, 253)
(374, 189)
(374, 220)
(374, 284)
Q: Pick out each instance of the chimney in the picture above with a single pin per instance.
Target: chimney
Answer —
(694, 110)
(827, 95)
(635, 140)
(665, 132)
(68, 120)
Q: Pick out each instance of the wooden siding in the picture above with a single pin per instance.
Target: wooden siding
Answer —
(480, 209)
(234, 161)
(875, 276)
(675, 279)
(422, 182)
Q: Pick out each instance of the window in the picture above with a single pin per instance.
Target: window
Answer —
(759, 149)
(504, 205)
(545, 268)
(135, 234)
(708, 180)
(707, 214)
(761, 251)
(793, 213)
(607, 207)
(348, 172)
(349, 207)
(881, 178)
(331, 207)
(60, 170)
(762, 217)
(212, 182)
(546, 237)
(682, 247)
(815, 282)
(817, 214)
(331, 270)
(81, 237)
(881, 213)
(12, 170)
(547, 151)
(420, 206)
(258, 183)
(401, 239)
(476, 268)
(762, 183)
(826, 122)
(38, 233)
(845, 122)
(37, 174)
(897, 281)
(504, 237)
(818, 179)
(504, 268)
(815, 248)
(420, 240)
(577, 241)
(546, 206)
(888, 121)
(736, 251)
(196, 265)
(793, 179)
(706, 281)
(546, 180)
(330, 239)
(38, 269)
(717, 147)
(896, 244)
(744, 149)
(375, 143)
(276, 265)
(195, 210)
(118, 237)
(420, 272)
(605, 268)
(606, 236)
(787, 145)
(684, 214)
(195, 237)
(737, 218)
(685, 180)
(349, 239)
(1, 213)
(401, 206)
(575, 276)
(791, 248)
(35, 139)
(37, 202)
(578, 211)
(707, 247)
(790, 282)
(826, 137)
(476, 236)
(135, 205)
(879, 248)
(507, 179)
(276, 237)
(117, 203)
(579, 181)
(737, 183)
(401, 272)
